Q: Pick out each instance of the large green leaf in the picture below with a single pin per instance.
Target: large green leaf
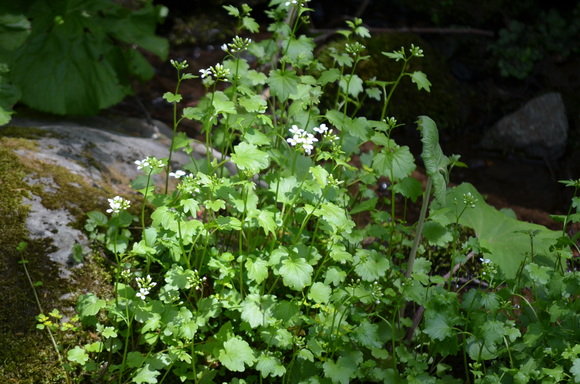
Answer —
(72, 63)
(506, 240)
(436, 162)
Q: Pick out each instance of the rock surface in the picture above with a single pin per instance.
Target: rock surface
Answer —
(538, 129)
(103, 158)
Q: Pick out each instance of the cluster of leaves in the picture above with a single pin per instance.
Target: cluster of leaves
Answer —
(74, 57)
(522, 44)
(253, 269)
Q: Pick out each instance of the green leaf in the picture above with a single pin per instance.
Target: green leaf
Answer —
(146, 375)
(9, 95)
(172, 97)
(257, 270)
(296, 273)
(222, 103)
(575, 370)
(248, 156)
(76, 66)
(344, 368)
(437, 327)
(319, 293)
(437, 234)
(299, 50)
(420, 79)
(395, 163)
(370, 264)
(266, 221)
(251, 311)
(329, 76)
(352, 84)
(254, 103)
(250, 24)
(77, 355)
(436, 162)
(336, 217)
(538, 273)
(409, 187)
(215, 205)
(283, 83)
(89, 305)
(14, 30)
(236, 354)
(270, 366)
(285, 189)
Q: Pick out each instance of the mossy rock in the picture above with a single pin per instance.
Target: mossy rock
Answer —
(51, 174)
(445, 103)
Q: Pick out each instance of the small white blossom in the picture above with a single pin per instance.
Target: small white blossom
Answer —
(142, 163)
(322, 129)
(205, 73)
(118, 204)
(177, 174)
(484, 260)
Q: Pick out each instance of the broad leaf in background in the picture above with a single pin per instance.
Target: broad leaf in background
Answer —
(14, 30)
(506, 240)
(436, 162)
(74, 61)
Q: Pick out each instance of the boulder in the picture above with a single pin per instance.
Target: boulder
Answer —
(539, 129)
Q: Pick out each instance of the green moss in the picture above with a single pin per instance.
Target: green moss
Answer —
(30, 133)
(27, 354)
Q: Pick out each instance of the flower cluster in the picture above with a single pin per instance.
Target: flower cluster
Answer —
(218, 71)
(145, 284)
(301, 139)
(238, 44)
(149, 164)
(118, 204)
(469, 200)
(354, 48)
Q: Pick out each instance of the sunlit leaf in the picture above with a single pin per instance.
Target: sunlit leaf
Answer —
(248, 156)
(296, 273)
(236, 354)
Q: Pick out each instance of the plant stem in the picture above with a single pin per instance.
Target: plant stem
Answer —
(420, 223)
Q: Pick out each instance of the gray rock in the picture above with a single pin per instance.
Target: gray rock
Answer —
(538, 129)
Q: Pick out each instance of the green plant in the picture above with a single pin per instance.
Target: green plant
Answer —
(74, 57)
(276, 260)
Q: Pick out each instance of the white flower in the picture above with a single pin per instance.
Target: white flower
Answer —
(142, 163)
(205, 73)
(484, 260)
(118, 204)
(322, 129)
(224, 47)
(177, 174)
(295, 130)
